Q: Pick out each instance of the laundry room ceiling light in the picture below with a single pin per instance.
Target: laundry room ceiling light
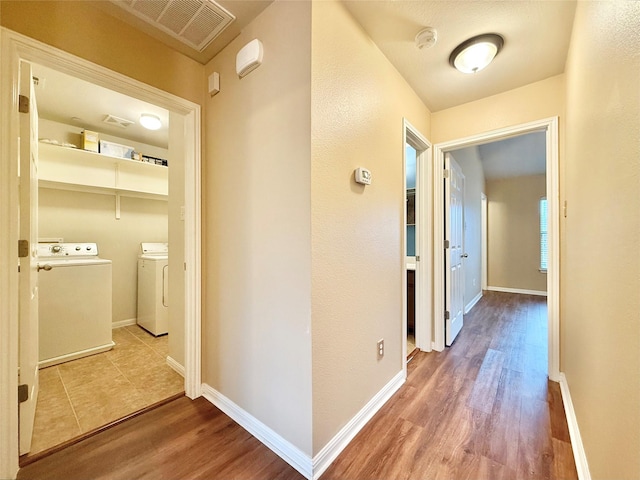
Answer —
(476, 53)
(150, 122)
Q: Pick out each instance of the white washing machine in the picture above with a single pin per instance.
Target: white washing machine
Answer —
(74, 304)
(153, 288)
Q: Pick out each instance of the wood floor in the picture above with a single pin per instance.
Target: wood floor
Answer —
(482, 409)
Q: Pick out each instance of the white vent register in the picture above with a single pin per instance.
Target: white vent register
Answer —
(193, 22)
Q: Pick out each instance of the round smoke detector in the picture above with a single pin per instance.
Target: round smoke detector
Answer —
(426, 38)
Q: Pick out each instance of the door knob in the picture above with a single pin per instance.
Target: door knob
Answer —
(464, 255)
(45, 267)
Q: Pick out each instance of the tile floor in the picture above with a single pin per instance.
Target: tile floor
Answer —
(81, 395)
(411, 343)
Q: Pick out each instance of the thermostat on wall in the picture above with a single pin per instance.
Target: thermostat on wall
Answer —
(363, 176)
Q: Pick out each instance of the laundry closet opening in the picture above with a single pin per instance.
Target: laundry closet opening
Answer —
(111, 333)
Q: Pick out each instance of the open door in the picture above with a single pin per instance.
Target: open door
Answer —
(454, 246)
(28, 298)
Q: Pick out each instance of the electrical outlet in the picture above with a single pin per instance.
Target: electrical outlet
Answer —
(381, 348)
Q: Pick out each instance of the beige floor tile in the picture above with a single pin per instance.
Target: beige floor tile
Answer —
(86, 370)
(123, 336)
(100, 402)
(55, 421)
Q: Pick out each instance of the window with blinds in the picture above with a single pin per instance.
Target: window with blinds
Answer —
(543, 235)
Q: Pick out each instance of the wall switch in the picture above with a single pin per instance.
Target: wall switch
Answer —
(381, 348)
(362, 176)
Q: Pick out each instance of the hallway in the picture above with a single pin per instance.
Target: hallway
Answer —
(482, 409)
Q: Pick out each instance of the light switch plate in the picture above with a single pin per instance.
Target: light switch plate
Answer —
(363, 176)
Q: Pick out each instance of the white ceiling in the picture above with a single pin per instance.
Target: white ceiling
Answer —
(536, 34)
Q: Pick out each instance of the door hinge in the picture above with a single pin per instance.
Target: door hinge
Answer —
(446, 173)
(23, 393)
(446, 244)
(23, 104)
(446, 314)
(23, 248)
(417, 258)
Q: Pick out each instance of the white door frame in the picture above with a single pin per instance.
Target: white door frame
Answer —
(550, 127)
(13, 49)
(423, 317)
(483, 248)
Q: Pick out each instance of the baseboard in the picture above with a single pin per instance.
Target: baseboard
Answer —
(280, 446)
(175, 366)
(518, 290)
(579, 454)
(472, 303)
(337, 444)
(124, 323)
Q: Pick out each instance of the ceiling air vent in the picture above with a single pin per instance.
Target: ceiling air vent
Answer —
(117, 121)
(193, 22)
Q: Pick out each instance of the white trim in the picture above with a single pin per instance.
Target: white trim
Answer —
(124, 323)
(337, 444)
(15, 48)
(579, 454)
(522, 291)
(472, 303)
(484, 237)
(76, 355)
(179, 369)
(550, 127)
(279, 445)
(423, 268)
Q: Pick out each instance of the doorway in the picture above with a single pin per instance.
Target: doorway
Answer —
(416, 270)
(184, 213)
(549, 127)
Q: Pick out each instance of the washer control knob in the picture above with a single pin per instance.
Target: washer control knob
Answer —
(56, 249)
(78, 248)
(88, 248)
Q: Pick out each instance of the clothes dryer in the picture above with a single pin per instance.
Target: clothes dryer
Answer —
(153, 288)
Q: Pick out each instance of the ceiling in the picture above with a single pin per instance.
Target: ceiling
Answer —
(536, 34)
(513, 157)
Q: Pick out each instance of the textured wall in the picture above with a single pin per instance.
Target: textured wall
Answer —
(600, 263)
(358, 103)
(257, 270)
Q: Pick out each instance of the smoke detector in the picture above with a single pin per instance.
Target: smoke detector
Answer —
(426, 38)
(193, 22)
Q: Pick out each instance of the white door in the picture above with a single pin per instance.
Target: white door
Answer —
(454, 255)
(28, 301)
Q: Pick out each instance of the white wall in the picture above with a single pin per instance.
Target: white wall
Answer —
(474, 186)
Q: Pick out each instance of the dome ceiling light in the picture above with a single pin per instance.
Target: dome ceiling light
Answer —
(150, 122)
(474, 54)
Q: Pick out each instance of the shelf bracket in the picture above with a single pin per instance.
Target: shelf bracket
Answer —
(117, 206)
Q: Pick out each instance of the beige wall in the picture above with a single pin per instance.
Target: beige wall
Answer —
(535, 101)
(474, 186)
(600, 340)
(90, 217)
(358, 103)
(80, 27)
(257, 270)
(513, 232)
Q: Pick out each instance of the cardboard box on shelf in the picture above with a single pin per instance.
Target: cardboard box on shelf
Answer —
(90, 141)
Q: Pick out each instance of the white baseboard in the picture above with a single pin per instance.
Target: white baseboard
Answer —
(540, 293)
(124, 323)
(337, 444)
(175, 366)
(472, 303)
(280, 446)
(579, 454)
(309, 468)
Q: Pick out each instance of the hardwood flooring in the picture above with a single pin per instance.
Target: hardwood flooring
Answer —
(482, 409)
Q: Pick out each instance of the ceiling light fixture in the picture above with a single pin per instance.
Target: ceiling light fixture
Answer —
(150, 122)
(474, 54)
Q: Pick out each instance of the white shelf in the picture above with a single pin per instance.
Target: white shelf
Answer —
(75, 169)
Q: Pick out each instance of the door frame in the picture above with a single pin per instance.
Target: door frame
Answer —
(423, 315)
(483, 249)
(14, 48)
(550, 127)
